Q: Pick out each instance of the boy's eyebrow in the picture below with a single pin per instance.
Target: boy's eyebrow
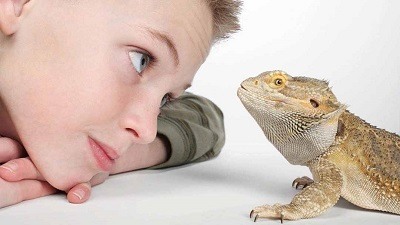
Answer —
(167, 41)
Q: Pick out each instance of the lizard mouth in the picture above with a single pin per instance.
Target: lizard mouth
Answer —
(243, 92)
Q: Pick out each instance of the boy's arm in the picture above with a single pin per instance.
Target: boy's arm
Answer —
(190, 129)
(193, 129)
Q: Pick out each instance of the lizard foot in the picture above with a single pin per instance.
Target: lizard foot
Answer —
(302, 182)
(276, 211)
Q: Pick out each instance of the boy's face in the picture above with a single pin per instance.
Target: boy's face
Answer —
(80, 74)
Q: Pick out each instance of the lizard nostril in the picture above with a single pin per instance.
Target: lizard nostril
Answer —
(256, 82)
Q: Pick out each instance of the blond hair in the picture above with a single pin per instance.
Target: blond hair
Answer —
(225, 17)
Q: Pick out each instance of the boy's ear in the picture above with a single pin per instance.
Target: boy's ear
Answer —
(10, 12)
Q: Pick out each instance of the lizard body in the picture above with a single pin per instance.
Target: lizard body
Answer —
(347, 156)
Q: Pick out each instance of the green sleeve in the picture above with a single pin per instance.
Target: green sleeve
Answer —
(194, 128)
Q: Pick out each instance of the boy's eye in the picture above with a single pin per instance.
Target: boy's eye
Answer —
(139, 60)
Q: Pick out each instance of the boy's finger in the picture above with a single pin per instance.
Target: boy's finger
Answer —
(98, 179)
(10, 149)
(30, 189)
(20, 169)
(24, 190)
(80, 193)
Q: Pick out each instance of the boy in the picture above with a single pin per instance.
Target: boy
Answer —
(82, 83)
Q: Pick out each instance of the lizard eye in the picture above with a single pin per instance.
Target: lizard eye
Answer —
(278, 81)
(314, 103)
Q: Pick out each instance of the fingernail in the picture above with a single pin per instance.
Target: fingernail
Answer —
(79, 193)
(10, 166)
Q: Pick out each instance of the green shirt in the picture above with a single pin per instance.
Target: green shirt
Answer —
(194, 127)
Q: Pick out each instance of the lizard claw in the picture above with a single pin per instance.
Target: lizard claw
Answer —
(255, 219)
(302, 182)
(251, 215)
(267, 211)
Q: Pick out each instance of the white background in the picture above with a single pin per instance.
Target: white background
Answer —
(355, 44)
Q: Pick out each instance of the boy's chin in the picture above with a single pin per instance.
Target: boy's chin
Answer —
(65, 182)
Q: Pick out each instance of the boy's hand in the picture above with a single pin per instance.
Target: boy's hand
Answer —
(19, 175)
(10, 149)
(20, 180)
(23, 174)
(14, 192)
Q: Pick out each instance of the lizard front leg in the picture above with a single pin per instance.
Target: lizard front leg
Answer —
(312, 200)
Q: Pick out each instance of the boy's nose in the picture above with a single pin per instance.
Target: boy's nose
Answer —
(141, 124)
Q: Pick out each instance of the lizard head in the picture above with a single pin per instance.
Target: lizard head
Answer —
(298, 115)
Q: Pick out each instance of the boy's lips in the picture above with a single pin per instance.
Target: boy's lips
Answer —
(104, 155)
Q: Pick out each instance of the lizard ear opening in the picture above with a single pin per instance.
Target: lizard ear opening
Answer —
(340, 129)
(314, 103)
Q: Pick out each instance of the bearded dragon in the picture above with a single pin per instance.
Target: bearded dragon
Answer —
(347, 156)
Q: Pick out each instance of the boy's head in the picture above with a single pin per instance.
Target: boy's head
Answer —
(74, 72)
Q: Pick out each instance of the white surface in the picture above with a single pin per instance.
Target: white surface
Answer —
(217, 192)
(354, 44)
